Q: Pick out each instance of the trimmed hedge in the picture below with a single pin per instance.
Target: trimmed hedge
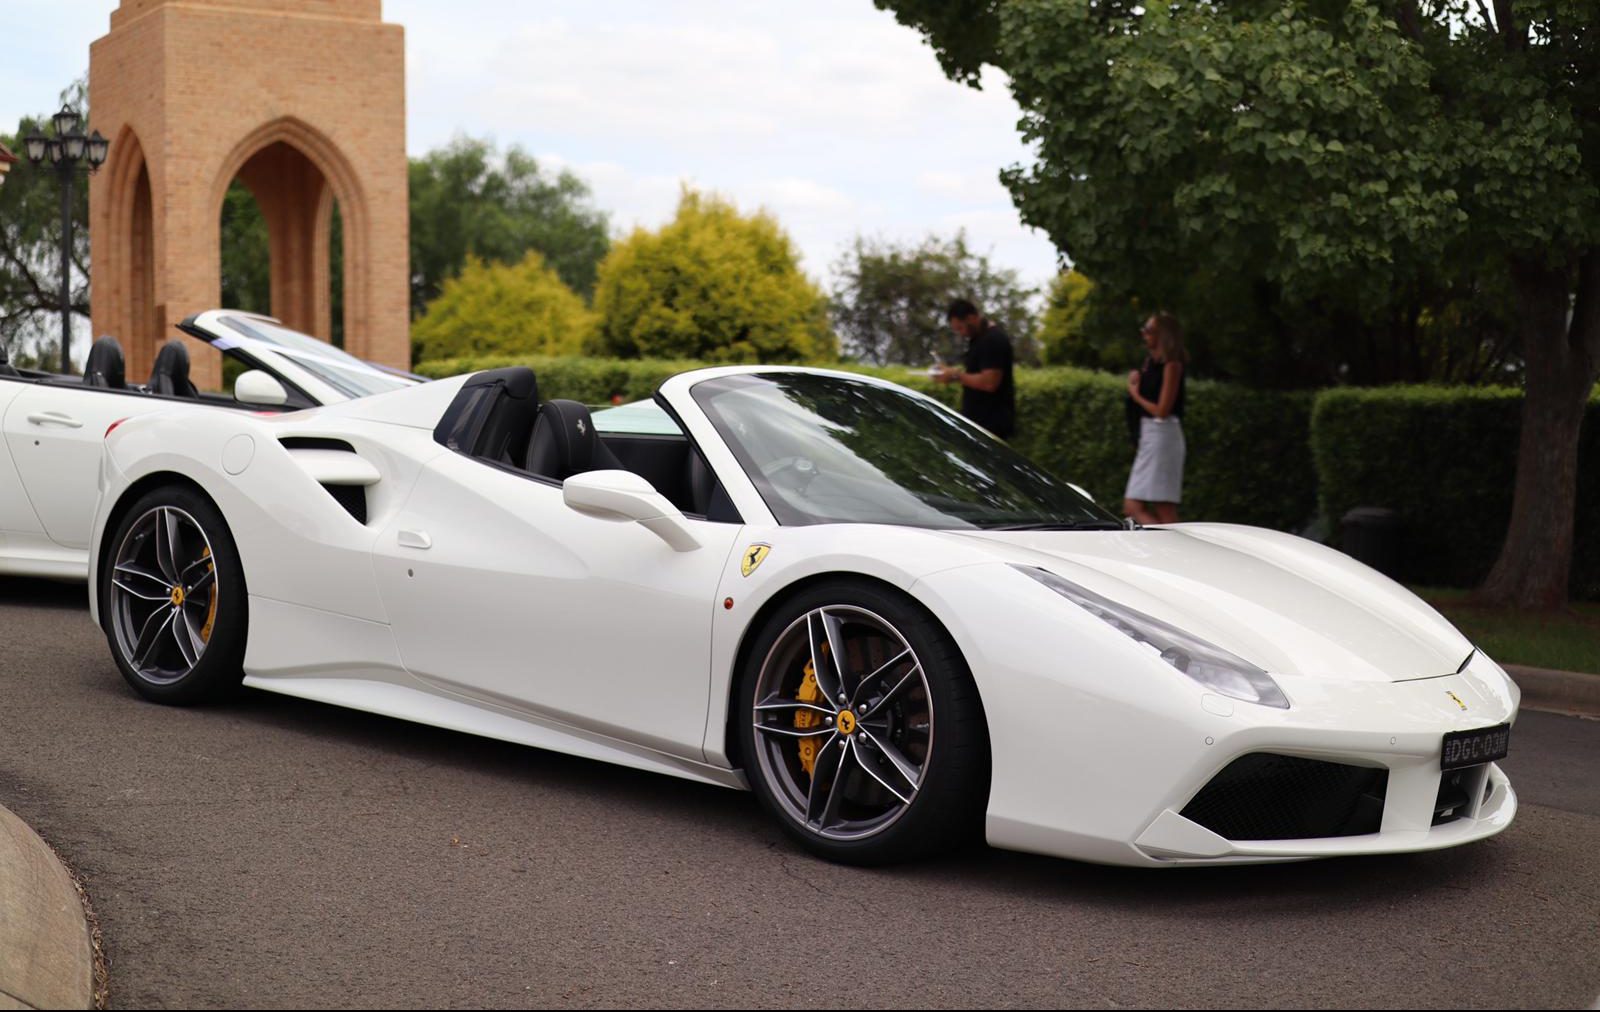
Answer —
(1247, 459)
(1445, 459)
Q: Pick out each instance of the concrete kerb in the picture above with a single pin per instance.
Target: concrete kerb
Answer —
(1559, 691)
(46, 956)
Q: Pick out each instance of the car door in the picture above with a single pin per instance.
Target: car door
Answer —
(497, 590)
(54, 432)
(17, 517)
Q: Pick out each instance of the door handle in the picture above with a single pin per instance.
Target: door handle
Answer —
(55, 418)
(415, 539)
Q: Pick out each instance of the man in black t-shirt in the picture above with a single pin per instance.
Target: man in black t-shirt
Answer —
(988, 395)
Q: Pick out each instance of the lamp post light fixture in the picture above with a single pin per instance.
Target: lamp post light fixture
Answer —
(68, 149)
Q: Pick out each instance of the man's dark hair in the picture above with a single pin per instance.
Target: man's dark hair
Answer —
(960, 309)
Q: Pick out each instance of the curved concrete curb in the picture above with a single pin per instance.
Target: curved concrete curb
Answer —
(1563, 691)
(46, 960)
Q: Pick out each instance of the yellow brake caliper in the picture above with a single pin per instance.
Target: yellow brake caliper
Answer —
(805, 719)
(211, 609)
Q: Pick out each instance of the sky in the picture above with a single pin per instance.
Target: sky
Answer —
(827, 113)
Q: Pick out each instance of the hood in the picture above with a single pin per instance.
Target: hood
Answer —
(1289, 605)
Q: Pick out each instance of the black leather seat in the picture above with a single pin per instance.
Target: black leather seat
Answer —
(564, 443)
(104, 366)
(170, 377)
(5, 362)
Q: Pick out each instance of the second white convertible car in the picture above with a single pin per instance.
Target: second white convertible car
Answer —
(54, 425)
(893, 628)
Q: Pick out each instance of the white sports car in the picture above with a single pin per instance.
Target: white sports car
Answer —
(889, 625)
(54, 425)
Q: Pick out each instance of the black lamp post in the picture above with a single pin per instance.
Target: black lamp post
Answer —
(66, 151)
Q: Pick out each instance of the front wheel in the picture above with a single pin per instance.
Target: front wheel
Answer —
(861, 726)
(172, 598)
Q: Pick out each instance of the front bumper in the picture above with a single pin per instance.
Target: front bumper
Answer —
(1097, 751)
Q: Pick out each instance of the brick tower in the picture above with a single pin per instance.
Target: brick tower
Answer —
(301, 100)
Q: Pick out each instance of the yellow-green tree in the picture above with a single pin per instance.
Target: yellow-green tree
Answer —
(712, 284)
(501, 309)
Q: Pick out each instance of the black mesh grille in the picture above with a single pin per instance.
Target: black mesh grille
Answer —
(353, 498)
(1279, 797)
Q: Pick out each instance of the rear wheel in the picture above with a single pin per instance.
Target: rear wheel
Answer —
(861, 726)
(172, 598)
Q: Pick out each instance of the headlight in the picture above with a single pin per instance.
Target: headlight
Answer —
(1217, 669)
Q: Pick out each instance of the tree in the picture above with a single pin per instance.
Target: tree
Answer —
(1338, 157)
(30, 247)
(711, 284)
(467, 200)
(500, 309)
(889, 300)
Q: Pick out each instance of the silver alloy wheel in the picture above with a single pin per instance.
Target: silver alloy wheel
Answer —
(163, 595)
(843, 722)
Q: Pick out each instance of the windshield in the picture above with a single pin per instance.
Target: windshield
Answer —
(832, 449)
(341, 371)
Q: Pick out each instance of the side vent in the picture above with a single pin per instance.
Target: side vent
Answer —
(334, 464)
(315, 443)
(352, 497)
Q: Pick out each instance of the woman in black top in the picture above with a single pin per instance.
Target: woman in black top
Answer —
(1155, 389)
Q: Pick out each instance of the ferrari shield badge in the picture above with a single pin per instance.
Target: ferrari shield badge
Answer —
(753, 557)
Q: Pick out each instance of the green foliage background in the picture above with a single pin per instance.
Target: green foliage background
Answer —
(889, 300)
(1444, 458)
(491, 309)
(711, 284)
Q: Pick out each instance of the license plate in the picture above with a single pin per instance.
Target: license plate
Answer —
(1474, 748)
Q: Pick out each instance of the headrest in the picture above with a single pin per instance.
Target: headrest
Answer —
(564, 442)
(171, 373)
(103, 367)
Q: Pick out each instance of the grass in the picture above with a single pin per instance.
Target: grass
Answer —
(1566, 640)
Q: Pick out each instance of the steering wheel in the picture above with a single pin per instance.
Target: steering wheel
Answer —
(802, 470)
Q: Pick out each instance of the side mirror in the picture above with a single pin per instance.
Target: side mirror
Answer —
(257, 387)
(623, 495)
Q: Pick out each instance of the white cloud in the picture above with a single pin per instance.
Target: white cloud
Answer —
(826, 112)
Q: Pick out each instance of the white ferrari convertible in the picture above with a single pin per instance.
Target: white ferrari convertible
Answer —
(890, 626)
(54, 425)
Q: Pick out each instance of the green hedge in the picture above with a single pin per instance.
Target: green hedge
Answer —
(1247, 449)
(1445, 459)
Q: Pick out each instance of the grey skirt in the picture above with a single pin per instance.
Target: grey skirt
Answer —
(1157, 474)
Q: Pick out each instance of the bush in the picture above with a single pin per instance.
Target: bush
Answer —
(503, 309)
(1445, 459)
(711, 284)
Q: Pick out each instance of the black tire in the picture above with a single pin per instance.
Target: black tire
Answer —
(872, 813)
(140, 564)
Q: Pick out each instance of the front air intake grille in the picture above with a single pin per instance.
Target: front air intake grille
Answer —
(1455, 794)
(1279, 797)
(352, 497)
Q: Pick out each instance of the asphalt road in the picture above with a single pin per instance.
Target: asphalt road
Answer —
(277, 853)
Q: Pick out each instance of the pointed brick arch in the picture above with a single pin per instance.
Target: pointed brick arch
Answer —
(296, 174)
(303, 100)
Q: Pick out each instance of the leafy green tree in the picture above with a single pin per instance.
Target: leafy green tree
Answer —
(30, 246)
(711, 284)
(1338, 156)
(467, 200)
(889, 300)
(500, 309)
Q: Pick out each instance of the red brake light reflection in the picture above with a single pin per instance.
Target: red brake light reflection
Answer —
(110, 428)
